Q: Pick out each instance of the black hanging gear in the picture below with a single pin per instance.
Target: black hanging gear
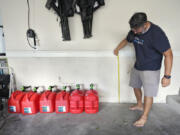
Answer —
(64, 9)
(87, 8)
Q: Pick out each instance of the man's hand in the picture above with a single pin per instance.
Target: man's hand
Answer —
(116, 52)
(165, 82)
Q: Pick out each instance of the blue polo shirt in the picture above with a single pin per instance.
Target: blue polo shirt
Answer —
(149, 48)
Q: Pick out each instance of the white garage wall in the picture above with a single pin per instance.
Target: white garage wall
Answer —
(59, 71)
(109, 27)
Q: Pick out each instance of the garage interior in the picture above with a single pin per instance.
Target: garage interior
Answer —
(43, 50)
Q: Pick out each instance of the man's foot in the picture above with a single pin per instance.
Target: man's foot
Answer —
(141, 122)
(136, 107)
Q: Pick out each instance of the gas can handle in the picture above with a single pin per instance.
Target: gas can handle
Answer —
(62, 94)
(47, 95)
(15, 94)
(27, 97)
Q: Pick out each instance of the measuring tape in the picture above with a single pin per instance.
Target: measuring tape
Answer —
(118, 79)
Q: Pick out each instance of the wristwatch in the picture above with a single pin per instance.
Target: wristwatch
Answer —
(167, 76)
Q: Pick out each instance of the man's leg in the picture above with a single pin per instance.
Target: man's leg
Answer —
(148, 101)
(139, 105)
(150, 81)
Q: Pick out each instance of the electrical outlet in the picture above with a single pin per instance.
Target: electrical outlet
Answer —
(59, 78)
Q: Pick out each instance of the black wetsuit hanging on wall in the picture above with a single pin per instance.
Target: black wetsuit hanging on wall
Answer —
(64, 9)
(87, 7)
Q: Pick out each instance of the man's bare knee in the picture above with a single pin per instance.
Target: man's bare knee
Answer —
(136, 89)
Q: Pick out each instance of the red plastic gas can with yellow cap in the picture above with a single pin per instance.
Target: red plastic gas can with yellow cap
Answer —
(14, 102)
(47, 102)
(30, 103)
(77, 101)
(91, 100)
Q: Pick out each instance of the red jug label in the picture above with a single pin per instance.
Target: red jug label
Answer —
(27, 110)
(45, 108)
(61, 108)
(12, 108)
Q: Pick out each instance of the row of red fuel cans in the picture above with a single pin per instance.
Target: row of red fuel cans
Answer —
(77, 101)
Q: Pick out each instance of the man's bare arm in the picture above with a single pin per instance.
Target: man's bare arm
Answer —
(120, 46)
(168, 61)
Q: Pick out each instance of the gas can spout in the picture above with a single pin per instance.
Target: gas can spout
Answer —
(78, 86)
(91, 86)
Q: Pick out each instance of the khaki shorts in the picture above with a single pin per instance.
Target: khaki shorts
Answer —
(149, 80)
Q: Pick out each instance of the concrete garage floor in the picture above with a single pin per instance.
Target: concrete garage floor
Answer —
(113, 119)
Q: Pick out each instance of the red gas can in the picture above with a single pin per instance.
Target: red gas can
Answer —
(62, 102)
(14, 102)
(91, 101)
(77, 101)
(30, 103)
(47, 102)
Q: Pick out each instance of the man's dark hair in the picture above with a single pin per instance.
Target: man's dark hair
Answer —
(137, 20)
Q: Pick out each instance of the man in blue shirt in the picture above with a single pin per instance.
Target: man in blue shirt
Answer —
(151, 44)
